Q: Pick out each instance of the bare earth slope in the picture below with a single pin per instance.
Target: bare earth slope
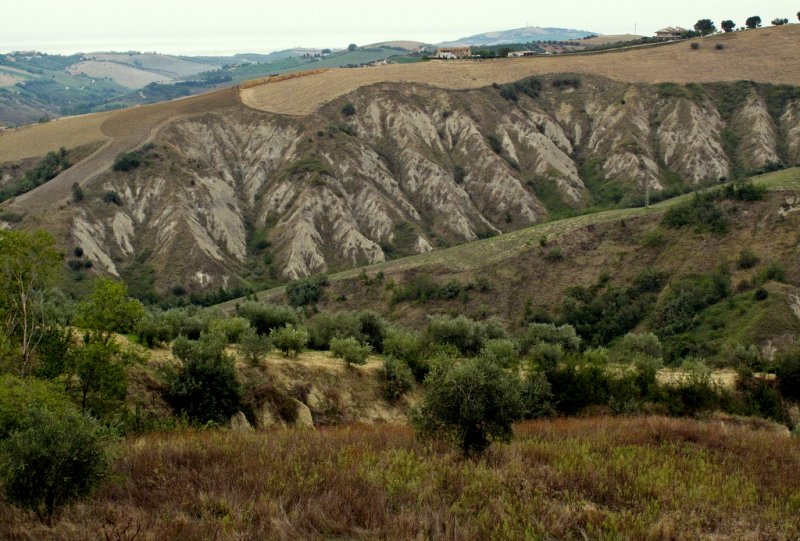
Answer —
(247, 196)
(766, 55)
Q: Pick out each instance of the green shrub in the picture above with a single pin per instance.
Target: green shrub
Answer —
(327, 325)
(466, 335)
(409, 347)
(548, 333)
(470, 404)
(56, 459)
(577, 385)
(111, 196)
(503, 352)
(205, 389)
(19, 395)
(264, 318)
(655, 238)
(495, 143)
(290, 340)
(537, 396)
(633, 346)
(747, 260)
(230, 327)
(397, 378)
(305, 291)
(254, 347)
(744, 191)
(128, 161)
(53, 351)
(373, 329)
(153, 330)
(772, 272)
(544, 356)
(351, 350)
(349, 109)
(702, 213)
(787, 368)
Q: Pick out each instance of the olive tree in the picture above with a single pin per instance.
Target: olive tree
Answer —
(470, 404)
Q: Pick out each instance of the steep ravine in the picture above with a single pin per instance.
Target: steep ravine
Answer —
(245, 195)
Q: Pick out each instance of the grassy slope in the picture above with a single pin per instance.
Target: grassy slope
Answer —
(592, 478)
(480, 254)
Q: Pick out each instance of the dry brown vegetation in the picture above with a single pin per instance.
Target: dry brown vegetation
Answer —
(591, 478)
(279, 78)
(766, 55)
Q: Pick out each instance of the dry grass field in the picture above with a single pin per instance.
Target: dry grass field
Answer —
(123, 74)
(590, 478)
(768, 55)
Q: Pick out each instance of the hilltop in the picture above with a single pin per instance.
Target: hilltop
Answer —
(765, 55)
(519, 35)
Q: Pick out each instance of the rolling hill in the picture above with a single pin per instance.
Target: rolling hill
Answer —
(520, 35)
(251, 197)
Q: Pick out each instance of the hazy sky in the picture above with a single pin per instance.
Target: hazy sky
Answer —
(208, 26)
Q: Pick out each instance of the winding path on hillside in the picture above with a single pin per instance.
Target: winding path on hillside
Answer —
(124, 131)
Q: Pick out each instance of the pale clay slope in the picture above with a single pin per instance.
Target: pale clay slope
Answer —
(228, 170)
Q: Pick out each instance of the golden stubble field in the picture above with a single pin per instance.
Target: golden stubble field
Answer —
(767, 55)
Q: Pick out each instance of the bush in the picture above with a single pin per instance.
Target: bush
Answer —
(206, 388)
(290, 340)
(787, 368)
(633, 346)
(578, 385)
(654, 238)
(349, 109)
(397, 378)
(502, 352)
(409, 347)
(305, 291)
(537, 396)
(127, 161)
(466, 335)
(230, 327)
(702, 213)
(20, 395)
(373, 329)
(326, 326)
(695, 45)
(773, 271)
(470, 404)
(495, 143)
(351, 350)
(57, 459)
(254, 347)
(744, 191)
(747, 260)
(548, 333)
(264, 318)
(112, 197)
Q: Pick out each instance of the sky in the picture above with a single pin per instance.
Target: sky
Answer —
(225, 27)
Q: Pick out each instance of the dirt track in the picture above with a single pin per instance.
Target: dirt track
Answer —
(768, 55)
(124, 131)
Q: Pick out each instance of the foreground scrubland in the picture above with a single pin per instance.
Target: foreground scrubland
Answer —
(587, 478)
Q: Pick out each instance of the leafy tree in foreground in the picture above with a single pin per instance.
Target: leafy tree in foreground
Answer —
(56, 460)
(471, 404)
(29, 263)
(109, 310)
(206, 389)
